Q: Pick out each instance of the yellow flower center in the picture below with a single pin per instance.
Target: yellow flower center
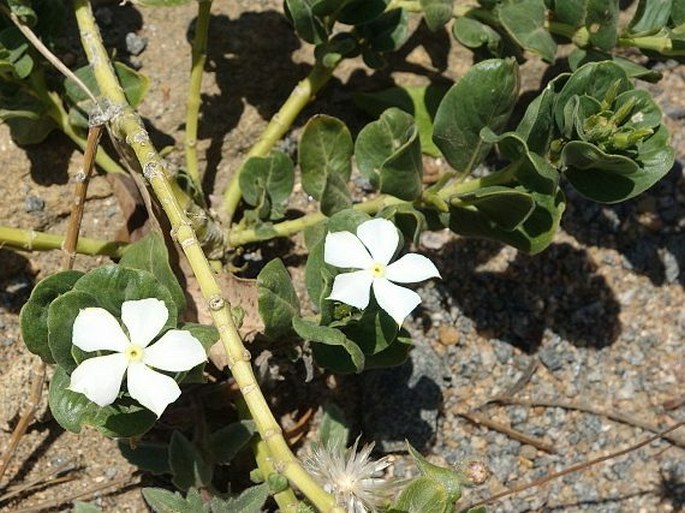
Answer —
(134, 353)
(377, 270)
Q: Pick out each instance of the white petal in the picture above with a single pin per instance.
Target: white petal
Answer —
(411, 268)
(352, 288)
(380, 237)
(150, 388)
(397, 301)
(99, 378)
(96, 329)
(144, 319)
(176, 351)
(344, 249)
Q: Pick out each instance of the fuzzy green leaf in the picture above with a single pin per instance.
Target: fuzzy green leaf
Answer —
(147, 455)
(277, 300)
(419, 101)
(188, 466)
(332, 349)
(227, 441)
(325, 153)
(422, 495)
(266, 183)
(150, 254)
(72, 411)
(484, 97)
(307, 25)
(437, 12)
(447, 478)
(650, 17)
(388, 152)
(165, 501)
(34, 314)
(250, 500)
(473, 34)
(524, 21)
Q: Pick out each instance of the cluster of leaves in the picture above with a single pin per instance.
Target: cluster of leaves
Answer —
(32, 102)
(371, 29)
(508, 27)
(47, 324)
(591, 126)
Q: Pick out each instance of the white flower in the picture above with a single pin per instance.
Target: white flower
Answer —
(351, 477)
(100, 378)
(370, 251)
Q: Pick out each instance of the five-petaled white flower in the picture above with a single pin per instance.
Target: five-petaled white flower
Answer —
(370, 251)
(99, 378)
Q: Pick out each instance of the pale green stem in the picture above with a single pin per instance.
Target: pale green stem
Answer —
(199, 57)
(239, 237)
(280, 123)
(128, 126)
(31, 240)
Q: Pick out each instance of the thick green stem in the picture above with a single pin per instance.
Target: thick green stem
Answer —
(30, 240)
(127, 125)
(199, 57)
(239, 237)
(300, 96)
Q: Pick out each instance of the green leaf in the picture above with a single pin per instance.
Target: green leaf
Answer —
(532, 175)
(601, 21)
(678, 13)
(387, 32)
(650, 17)
(150, 254)
(277, 300)
(634, 70)
(250, 500)
(333, 430)
(408, 220)
(355, 12)
(422, 495)
(569, 12)
(473, 34)
(61, 315)
(437, 12)
(226, 442)
(85, 507)
(13, 52)
(164, 501)
(524, 21)
(484, 97)
(419, 101)
(188, 467)
(325, 153)
(112, 285)
(72, 411)
(595, 80)
(308, 26)
(504, 207)
(449, 480)
(135, 86)
(34, 314)
(610, 178)
(147, 455)
(26, 115)
(266, 183)
(388, 152)
(536, 127)
(332, 349)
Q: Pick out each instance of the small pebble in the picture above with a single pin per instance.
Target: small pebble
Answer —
(34, 204)
(135, 44)
(448, 335)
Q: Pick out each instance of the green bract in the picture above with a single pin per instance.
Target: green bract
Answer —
(612, 143)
